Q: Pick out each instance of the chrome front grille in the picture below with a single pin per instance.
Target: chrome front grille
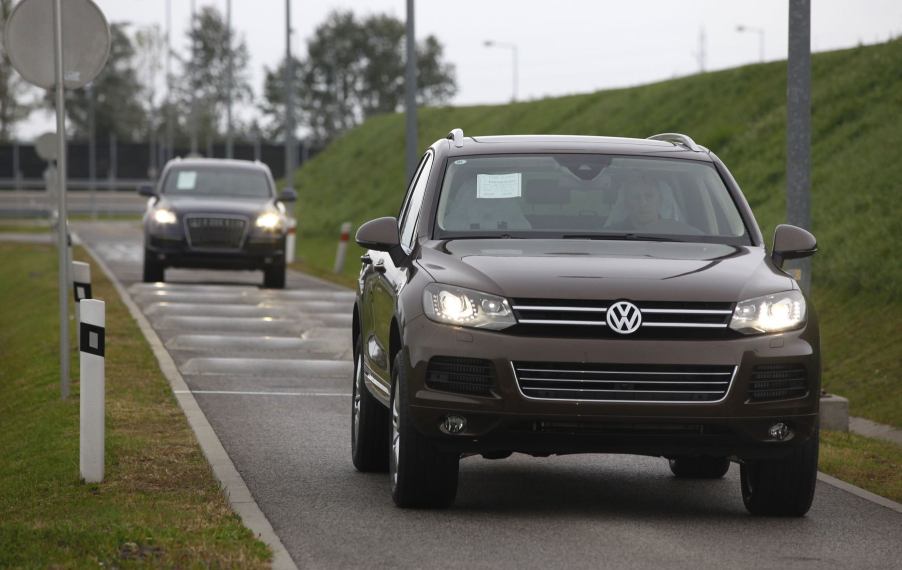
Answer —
(215, 232)
(554, 316)
(623, 382)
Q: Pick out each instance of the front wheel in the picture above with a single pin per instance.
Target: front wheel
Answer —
(421, 475)
(153, 269)
(369, 424)
(274, 277)
(783, 487)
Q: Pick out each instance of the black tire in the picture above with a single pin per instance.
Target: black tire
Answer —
(153, 269)
(421, 475)
(700, 467)
(784, 487)
(369, 424)
(274, 277)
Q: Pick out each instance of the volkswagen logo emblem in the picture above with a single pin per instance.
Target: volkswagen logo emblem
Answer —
(623, 317)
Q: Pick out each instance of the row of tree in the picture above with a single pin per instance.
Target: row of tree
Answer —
(354, 68)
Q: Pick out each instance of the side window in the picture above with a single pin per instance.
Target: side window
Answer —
(409, 221)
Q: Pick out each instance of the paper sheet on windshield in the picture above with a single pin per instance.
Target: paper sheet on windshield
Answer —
(499, 185)
(186, 180)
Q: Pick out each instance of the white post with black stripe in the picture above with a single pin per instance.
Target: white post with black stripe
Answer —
(92, 347)
(81, 289)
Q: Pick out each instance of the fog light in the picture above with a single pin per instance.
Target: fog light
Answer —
(453, 425)
(780, 431)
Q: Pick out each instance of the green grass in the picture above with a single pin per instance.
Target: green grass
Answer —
(864, 462)
(159, 504)
(741, 115)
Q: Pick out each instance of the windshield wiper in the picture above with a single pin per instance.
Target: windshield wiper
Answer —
(626, 237)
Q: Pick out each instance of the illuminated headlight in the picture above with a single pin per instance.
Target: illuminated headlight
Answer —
(466, 308)
(771, 313)
(269, 221)
(164, 216)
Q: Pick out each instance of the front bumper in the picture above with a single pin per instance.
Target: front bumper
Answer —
(506, 420)
(256, 252)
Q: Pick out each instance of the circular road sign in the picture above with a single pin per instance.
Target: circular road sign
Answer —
(45, 146)
(28, 39)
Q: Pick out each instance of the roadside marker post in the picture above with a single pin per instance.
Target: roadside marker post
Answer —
(290, 240)
(91, 333)
(342, 247)
(81, 289)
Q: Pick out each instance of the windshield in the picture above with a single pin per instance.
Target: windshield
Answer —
(217, 181)
(587, 196)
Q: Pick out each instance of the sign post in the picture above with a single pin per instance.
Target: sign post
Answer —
(44, 56)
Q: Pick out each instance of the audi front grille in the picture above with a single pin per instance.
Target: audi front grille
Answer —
(623, 382)
(215, 232)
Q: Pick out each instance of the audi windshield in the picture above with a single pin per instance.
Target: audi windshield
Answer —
(210, 181)
(587, 196)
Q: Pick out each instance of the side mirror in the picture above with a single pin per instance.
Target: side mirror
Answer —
(147, 191)
(380, 234)
(288, 195)
(791, 242)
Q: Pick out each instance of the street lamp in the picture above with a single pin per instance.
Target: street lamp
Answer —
(760, 31)
(513, 48)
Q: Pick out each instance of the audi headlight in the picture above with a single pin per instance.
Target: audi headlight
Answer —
(466, 308)
(269, 221)
(771, 313)
(164, 216)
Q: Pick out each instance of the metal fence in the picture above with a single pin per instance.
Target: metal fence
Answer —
(122, 166)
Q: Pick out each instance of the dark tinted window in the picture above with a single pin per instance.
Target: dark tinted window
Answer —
(217, 181)
(408, 224)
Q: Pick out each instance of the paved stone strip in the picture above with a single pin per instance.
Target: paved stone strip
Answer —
(868, 428)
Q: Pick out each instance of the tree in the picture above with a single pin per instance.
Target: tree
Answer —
(204, 82)
(13, 88)
(355, 69)
(116, 95)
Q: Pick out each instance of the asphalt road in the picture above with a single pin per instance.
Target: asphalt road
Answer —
(272, 372)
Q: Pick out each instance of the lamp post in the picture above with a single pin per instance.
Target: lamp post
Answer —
(752, 30)
(290, 153)
(513, 48)
(410, 92)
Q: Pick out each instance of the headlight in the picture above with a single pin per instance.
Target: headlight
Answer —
(771, 313)
(269, 221)
(466, 308)
(164, 216)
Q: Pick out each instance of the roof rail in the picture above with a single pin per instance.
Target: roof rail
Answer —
(678, 139)
(457, 135)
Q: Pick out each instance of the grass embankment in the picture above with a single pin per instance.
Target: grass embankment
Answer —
(868, 463)
(159, 504)
(741, 115)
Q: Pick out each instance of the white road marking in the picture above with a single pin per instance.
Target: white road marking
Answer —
(239, 393)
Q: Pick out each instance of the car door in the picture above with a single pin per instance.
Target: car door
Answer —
(388, 279)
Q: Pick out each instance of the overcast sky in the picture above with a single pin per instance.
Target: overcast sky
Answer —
(566, 46)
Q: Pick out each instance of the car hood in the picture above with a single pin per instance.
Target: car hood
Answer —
(215, 205)
(605, 270)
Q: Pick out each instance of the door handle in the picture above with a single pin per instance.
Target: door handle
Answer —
(379, 266)
(366, 259)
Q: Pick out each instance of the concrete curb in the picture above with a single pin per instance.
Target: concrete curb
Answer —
(867, 428)
(859, 492)
(239, 496)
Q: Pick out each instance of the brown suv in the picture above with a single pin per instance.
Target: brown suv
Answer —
(562, 294)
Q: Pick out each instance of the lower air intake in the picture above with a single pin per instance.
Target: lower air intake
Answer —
(778, 382)
(462, 375)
